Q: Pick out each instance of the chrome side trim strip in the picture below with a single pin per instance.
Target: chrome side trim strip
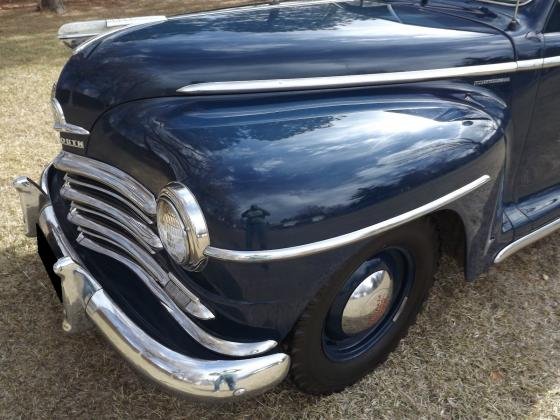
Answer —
(273, 85)
(527, 65)
(347, 239)
(110, 176)
(250, 86)
(527, 240)
(195, 378)
(551, 62)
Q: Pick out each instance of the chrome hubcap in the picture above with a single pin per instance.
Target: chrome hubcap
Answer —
(368, 303)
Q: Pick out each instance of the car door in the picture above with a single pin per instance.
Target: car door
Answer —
(539, 167)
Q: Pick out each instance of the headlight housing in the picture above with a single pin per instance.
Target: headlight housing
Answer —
(182, 227)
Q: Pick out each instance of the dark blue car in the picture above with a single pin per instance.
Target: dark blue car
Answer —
(265, 190)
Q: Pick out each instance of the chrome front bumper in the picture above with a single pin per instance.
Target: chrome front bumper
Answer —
(86, 303)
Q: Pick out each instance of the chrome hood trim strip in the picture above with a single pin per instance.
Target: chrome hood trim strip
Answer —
(273, 85)
(347, 239)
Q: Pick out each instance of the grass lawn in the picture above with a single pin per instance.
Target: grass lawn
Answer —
(487, 349)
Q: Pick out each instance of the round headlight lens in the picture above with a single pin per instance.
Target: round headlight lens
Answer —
(172, 231)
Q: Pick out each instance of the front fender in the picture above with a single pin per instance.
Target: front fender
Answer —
(319, 164)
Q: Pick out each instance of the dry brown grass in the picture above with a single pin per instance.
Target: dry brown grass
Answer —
(488, 349)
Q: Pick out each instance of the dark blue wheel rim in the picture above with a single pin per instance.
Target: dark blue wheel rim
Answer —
(341, 347)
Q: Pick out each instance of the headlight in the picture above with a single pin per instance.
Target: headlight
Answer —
(172, 231)
(181, 226)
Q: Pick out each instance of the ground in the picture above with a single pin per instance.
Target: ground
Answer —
(484, 349)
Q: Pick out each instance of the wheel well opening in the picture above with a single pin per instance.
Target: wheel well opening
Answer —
(452, 237)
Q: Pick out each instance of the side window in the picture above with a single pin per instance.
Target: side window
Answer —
(553, 24)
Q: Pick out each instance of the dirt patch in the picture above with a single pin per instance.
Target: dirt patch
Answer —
(488, 349)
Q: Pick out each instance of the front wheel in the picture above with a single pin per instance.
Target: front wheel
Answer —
(357, 319)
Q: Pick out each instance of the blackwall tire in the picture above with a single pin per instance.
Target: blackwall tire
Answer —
(314, 369)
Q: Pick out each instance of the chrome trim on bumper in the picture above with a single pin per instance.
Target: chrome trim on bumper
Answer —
(85, 302)
(527, 240)
(349, 238)
(203, 379)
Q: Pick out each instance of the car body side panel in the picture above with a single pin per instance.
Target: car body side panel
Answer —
(320, 165)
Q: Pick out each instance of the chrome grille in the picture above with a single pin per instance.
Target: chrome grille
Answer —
(126, 187)
(85, 204)
(115, 216)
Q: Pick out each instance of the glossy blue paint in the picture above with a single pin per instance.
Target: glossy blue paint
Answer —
(320, 164)
(284, 169)
(280, 42)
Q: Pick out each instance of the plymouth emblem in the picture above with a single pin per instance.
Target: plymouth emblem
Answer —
(72, 143)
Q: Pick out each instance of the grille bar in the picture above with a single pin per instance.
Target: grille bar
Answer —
(126, 244)
(108, 175)
(89, 204)
(89, 186)
(184, 297)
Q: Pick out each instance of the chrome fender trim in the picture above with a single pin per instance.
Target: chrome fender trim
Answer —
(327, 82)
(527, 240)
(347, 239)
(197, 378)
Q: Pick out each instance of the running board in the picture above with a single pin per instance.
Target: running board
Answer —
(527, 240)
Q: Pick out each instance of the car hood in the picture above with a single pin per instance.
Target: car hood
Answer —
(270, 42)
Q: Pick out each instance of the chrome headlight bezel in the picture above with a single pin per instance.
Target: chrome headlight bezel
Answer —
(187, 208)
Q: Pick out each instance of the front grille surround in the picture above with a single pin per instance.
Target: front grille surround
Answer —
(115, 216)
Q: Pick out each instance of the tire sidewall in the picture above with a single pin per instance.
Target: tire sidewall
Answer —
(417, 240)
